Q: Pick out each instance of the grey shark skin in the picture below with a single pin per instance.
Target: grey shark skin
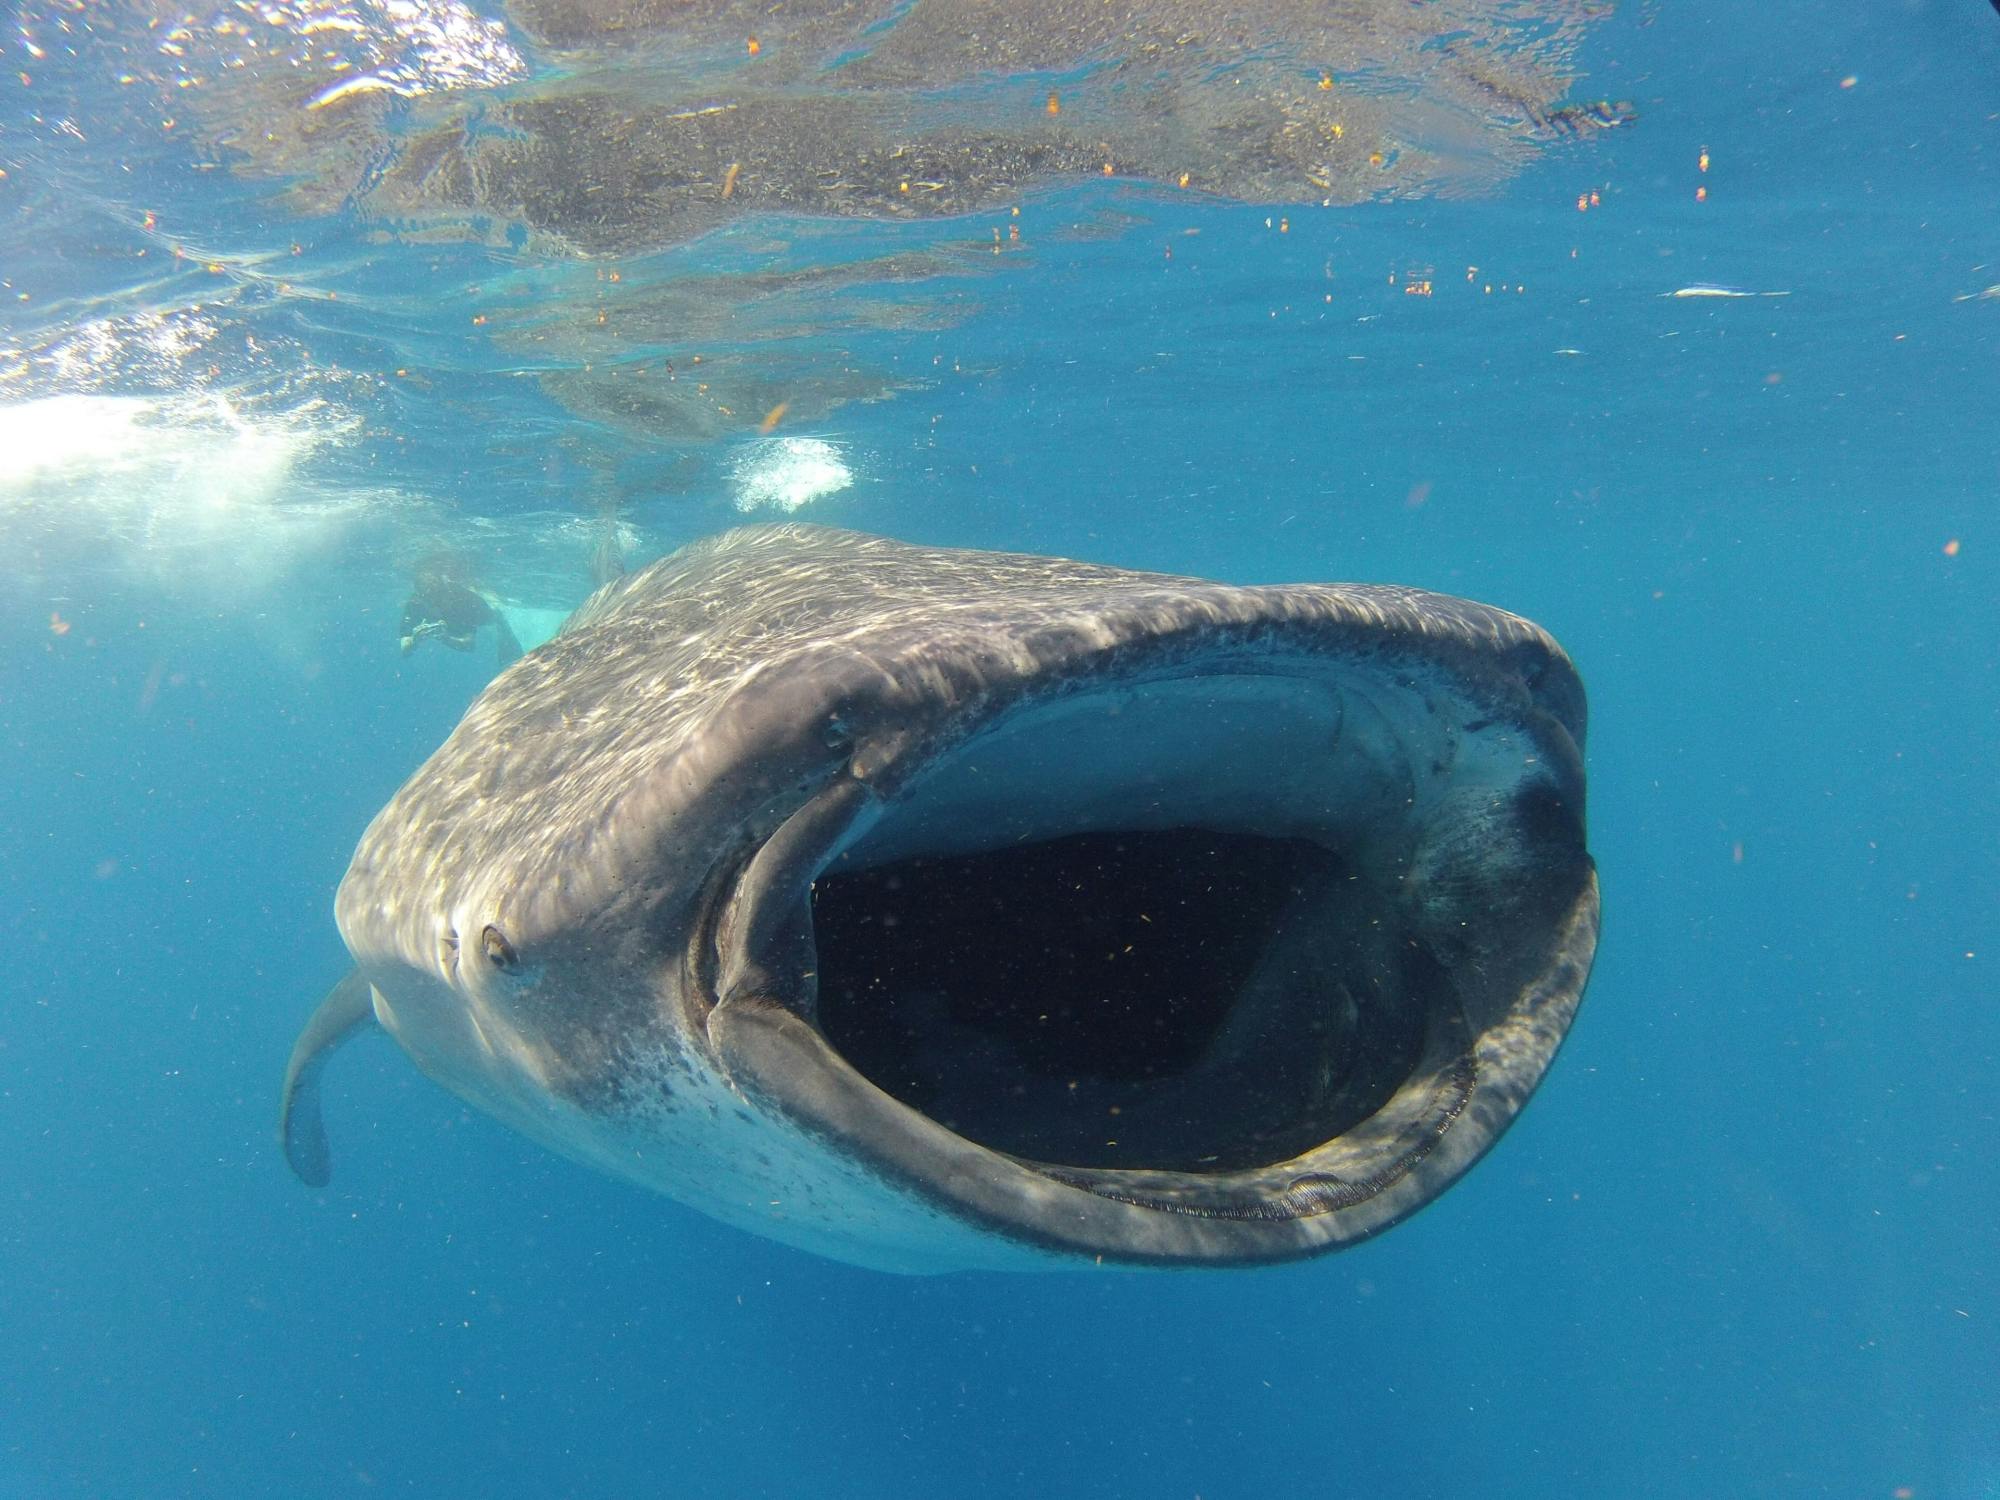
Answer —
(936, 909)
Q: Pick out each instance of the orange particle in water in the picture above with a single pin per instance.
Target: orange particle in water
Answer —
(615, 276)
(773, 417)
(1375, 158)
(729, 179)
(150, 221)
(1326, 80)
(1107, 169)
(1583, 202)
(1593, 200)
(479, 320)
(1849, 81)
(750, 43)
(1951, 548)
(57, 624)
(1702, 160)
(1055, 104)
(1184, 179)
(1701, 195)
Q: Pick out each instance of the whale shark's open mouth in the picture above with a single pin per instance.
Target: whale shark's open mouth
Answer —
(1110, 999)
(1227, 950)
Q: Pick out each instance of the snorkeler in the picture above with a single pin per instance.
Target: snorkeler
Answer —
(443, 607)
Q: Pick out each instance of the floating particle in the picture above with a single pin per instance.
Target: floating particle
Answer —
(1701, 195)
(1055, 104)
(59, 626)
(773, 417)
(1701, 162)
(729, 179)
(1950, 548)
(750, 45)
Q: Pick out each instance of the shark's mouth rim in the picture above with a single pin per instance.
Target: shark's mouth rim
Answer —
(1466, 1086)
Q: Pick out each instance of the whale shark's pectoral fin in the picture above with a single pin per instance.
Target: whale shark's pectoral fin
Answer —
(348, 1007)
(506, 644)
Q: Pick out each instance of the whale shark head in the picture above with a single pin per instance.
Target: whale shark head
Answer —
(932, 908)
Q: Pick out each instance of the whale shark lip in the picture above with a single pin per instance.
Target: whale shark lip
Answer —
(1088, 977)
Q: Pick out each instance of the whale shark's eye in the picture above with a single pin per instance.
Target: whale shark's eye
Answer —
(499, 952)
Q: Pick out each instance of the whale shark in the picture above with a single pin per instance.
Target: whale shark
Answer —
(934, 909)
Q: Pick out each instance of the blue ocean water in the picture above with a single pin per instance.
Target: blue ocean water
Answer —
(1743, 1240)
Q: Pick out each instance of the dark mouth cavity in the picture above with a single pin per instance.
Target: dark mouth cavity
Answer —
(1184, 998)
